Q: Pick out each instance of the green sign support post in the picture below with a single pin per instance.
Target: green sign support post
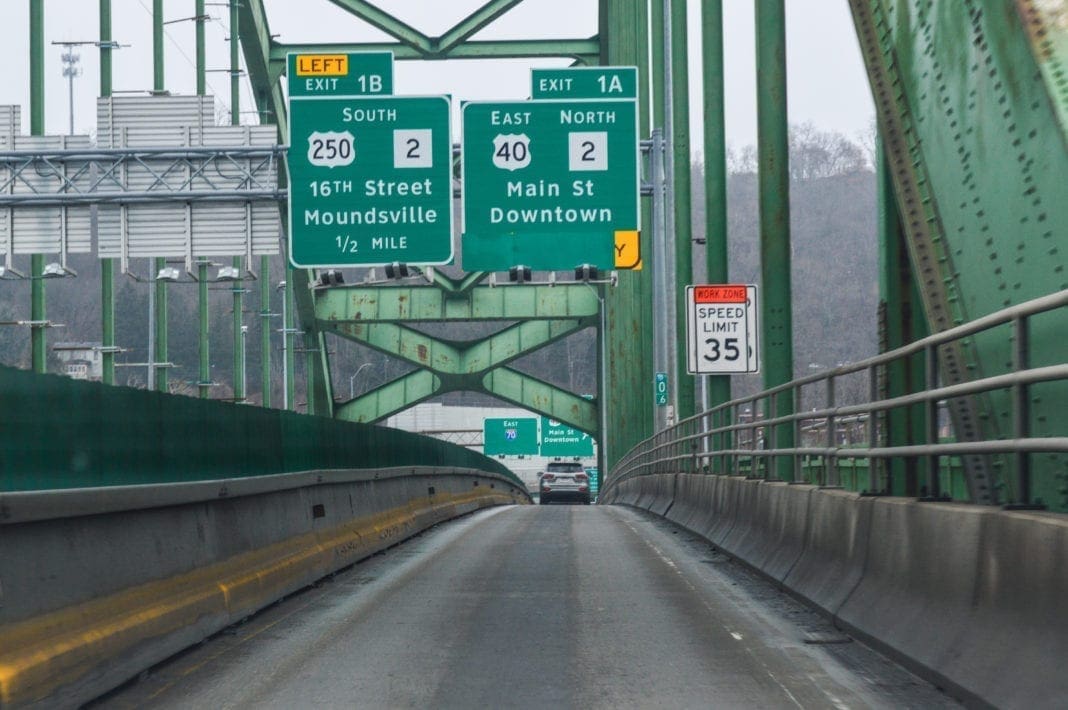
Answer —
(547, 184)
(370, 181)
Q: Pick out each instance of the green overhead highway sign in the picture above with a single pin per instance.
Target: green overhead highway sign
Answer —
(510, 437)
(584, 83)
(562, 440)
(547, 184)
(370, 181)
(343, 74)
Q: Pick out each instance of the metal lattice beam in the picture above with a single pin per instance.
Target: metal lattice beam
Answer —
(545, 313)
(585, 51)
(430, 303)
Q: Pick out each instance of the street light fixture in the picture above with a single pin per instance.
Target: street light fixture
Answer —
(56, 270)
(168, 274)
(228, 273)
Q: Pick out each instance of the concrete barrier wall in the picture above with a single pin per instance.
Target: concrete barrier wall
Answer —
(98, 584)
(971, 597)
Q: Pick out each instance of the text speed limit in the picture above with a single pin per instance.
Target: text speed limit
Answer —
(721, 329)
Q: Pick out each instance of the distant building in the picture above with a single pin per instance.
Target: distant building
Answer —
(81, 361)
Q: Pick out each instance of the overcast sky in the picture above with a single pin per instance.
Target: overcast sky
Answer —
(827, 85)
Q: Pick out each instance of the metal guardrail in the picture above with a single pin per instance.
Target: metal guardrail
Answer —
(720, 439)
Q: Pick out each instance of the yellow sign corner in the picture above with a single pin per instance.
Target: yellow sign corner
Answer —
(628, 249)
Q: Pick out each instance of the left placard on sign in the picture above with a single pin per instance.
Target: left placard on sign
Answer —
(370, 181)
(348, 74)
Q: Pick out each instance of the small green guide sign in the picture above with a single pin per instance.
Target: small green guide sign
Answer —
(547, 184)
(370, 180)
(343, 74)
(510, 437)
(584, 83)
(660, 389)
(558, 439)
(595, 480)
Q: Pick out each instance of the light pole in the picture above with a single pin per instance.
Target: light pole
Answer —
(352, 380)
(71, 69)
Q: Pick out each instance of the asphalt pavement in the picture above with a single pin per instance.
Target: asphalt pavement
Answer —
(535, 607)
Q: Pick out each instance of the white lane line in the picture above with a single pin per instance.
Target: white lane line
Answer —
(737, 636)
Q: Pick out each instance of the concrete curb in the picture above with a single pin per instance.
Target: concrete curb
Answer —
(89, 602)
(970, 597)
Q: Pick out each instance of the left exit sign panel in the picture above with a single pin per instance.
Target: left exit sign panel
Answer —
(348, 74)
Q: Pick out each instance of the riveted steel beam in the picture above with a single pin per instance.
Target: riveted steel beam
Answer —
(583, 50)
(540, 396)
(474, 22)
(429, 303)
(450, 358)
(393, 397)
(545, 313)
(386, 22)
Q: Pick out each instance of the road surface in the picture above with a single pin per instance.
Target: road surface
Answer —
(535, 607)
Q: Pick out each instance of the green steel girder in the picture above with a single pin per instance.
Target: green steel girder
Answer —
(429, 303)
(975, 142)
(376, 316)
(585, 51)
(446, 357)
(537, 395)
(457, 286)
(390, 398)
(1046, 25)
(503, 383)
(469, 366)
(418, 41)
(256, 44)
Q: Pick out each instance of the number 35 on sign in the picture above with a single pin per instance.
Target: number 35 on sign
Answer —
(721, 329)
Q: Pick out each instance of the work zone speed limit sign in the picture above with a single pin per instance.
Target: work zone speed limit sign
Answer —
(721, 329)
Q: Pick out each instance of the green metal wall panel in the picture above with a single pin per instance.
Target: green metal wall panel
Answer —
(61, 433)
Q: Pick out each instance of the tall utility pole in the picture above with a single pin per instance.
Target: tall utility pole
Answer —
(238, 286)
(38, 312)
(158, 288)
(107, 266)
(716, 255)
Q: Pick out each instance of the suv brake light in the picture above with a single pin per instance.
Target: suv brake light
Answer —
(580, 477)
(548, 477)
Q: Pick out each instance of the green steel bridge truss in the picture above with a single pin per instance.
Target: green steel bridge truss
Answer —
(972, 104)
(527, 316)
(972, 100)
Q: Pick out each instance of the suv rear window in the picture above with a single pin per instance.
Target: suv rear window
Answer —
(558, 467)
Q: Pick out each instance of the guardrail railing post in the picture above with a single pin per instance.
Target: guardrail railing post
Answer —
(771, 438)
(796, 458)
(930, 415)
(874, 464)
(830, 461)
(1021, 415)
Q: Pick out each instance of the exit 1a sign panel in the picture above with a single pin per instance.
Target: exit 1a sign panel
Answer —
(370, 181)
(547, 184)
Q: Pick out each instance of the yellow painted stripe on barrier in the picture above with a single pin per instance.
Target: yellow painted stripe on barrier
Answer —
(45, 653)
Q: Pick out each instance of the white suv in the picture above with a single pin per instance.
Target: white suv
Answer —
(564, 481)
